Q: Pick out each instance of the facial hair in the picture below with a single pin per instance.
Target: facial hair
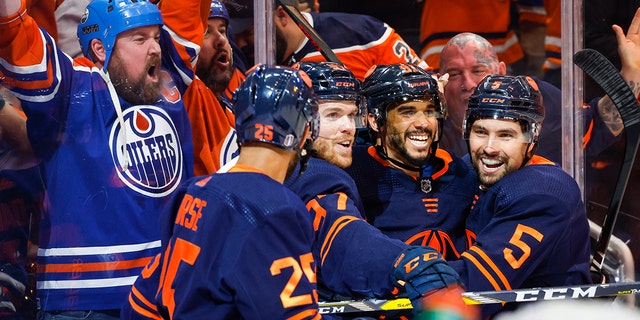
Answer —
(397, 141)
(281, 47)
(324, 150)
(134, 89)
(490, 180)
(214, 79)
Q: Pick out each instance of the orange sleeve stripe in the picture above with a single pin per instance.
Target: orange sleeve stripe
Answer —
(492, 265)
(482, 269)
(33, 84)
(142, 310)
(94, 266)
(142, 298)
(342, 201)
(333, 232)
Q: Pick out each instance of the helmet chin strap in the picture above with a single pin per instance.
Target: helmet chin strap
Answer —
(425, 170)
(529, 154)
(305, 153)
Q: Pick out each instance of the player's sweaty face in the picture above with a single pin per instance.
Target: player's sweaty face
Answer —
(409, 131)
(135, 64)
(337, 131)
(497, 148)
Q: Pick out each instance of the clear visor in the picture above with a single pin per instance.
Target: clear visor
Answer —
(358, 116)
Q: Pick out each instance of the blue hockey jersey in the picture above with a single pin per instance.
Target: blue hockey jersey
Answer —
(239, 247)
(529, 230)
(395, 204)
(106, 178)
(354, 258)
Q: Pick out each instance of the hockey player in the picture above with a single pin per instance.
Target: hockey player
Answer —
(115, 142)
(411, 189)
(528, 227)
(355, 260)
(359, 41)
(239, 243)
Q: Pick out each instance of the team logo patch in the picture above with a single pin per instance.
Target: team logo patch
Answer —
(147, 153)
(229, 147)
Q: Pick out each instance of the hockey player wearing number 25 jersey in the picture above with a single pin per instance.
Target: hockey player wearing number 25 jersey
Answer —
(238, 243)
(529, 227)
(114, 139)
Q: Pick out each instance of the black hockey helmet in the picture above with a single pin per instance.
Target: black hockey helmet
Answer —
(387, 86)
(274, 105)
(507, 97)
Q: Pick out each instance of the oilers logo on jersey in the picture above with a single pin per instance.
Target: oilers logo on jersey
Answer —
(149, 155)
(229, 148)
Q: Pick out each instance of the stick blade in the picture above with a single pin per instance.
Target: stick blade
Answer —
(605, 74)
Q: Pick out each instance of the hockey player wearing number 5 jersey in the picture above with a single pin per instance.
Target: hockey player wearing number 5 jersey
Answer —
(411, 190)
(238, 243)
(528, 226)
(115, 142)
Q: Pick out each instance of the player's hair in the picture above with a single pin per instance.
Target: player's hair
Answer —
(105, 19)
(387, 86)
(274, 105)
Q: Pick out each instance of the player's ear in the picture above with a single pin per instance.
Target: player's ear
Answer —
(98, 51)
(280, 16)
(373, 123)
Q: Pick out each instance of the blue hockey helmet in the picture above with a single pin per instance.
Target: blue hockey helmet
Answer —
(507, 97)
(387, 86)
(218, 10)
(333, 81)
(105, 19)
(274, 104)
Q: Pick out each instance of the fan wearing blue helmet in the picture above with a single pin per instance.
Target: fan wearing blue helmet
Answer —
(238, 243)
(411, 189)
(355, 260)
(528, 225)
(114, 139)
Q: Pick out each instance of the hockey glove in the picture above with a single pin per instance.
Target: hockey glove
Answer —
(421, 270)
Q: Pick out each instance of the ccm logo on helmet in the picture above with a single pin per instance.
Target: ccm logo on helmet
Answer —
(345, 84)
(493, 100)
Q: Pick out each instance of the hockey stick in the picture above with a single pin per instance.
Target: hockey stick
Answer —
(491, 297)
(607, 76)
(308, 31)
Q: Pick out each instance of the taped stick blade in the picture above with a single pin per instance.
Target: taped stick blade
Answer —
(605, 74)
